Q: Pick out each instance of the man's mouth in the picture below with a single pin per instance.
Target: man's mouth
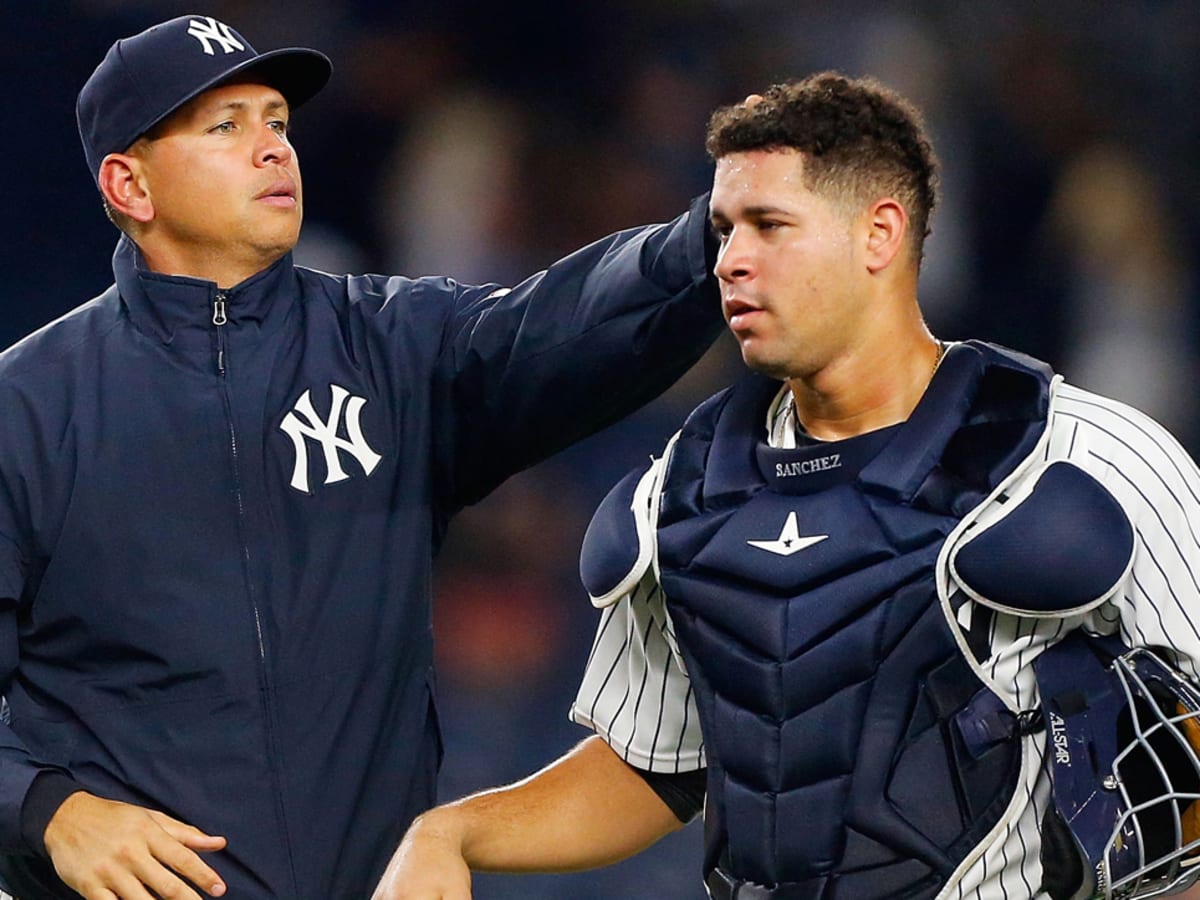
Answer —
(279, 193)
(739, 312)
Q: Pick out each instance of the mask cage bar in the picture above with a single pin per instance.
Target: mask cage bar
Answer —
(1137, 671)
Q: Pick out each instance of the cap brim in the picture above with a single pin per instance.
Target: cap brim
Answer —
(296, 72)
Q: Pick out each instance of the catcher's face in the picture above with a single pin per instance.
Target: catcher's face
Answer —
(790, 264)
(224, 183)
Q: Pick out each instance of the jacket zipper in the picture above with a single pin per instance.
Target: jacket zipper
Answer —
(220, 318)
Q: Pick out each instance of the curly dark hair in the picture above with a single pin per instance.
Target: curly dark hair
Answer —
(860, 140)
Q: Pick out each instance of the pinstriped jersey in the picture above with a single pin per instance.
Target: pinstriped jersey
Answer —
(637, 695)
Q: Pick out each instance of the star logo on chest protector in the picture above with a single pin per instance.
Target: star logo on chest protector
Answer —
(789, 540)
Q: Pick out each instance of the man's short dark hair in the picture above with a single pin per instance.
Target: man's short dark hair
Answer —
(860, 141)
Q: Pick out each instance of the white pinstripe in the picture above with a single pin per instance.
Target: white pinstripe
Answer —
(635, 691)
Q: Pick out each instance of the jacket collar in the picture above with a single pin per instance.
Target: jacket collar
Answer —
(176, 309)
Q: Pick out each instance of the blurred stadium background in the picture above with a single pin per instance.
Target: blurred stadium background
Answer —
(482, 140)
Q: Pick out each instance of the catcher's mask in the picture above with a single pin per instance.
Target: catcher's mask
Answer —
(1122, 738)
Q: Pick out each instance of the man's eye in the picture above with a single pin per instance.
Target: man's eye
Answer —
(223, 128)
(280, 126)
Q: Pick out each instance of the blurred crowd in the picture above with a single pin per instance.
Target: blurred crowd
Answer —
(482, 140)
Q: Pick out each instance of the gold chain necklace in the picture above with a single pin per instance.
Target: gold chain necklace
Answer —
(937, 359)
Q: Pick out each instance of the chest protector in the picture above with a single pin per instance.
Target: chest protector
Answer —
(833, 696)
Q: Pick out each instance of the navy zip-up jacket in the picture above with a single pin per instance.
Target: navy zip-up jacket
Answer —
(218, 517)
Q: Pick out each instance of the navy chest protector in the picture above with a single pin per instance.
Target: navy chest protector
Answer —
(839, 715)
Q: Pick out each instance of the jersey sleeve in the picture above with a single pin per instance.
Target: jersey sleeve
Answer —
(1158, 485)
(635, 691)
(1156, 603)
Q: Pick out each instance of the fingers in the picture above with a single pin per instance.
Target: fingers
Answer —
(134, 882)
(128, 885)
(179, 858)
(153, 875)
(425, 867)
(188, 835)
(104, 849)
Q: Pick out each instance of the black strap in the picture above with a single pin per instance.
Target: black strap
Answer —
(1062, 864)
(722, 886)
(683, 792)
(979, 635)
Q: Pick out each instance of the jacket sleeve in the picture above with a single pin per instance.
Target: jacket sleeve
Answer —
(22, 822)
(17, 768)
(528, 371)
(16, 772)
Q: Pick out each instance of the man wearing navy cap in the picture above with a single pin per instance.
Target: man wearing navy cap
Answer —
(223, 481)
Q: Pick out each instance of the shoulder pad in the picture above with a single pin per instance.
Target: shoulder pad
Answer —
(1060, 548)
(619, 543)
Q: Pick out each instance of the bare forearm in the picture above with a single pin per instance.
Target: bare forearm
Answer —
(585, 810)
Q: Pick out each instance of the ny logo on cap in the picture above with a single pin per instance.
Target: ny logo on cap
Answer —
(214, 31)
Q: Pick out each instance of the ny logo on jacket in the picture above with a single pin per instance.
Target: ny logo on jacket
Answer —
(303, 423)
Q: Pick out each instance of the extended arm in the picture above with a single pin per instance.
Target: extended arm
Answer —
(573, 348)
(587, 809)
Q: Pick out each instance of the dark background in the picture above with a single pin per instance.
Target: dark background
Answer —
(482, 140)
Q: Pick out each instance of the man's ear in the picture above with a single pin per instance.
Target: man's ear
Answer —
(887, 228)
(123, 185)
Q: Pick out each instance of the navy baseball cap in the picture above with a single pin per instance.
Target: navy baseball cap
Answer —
(144, 78)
